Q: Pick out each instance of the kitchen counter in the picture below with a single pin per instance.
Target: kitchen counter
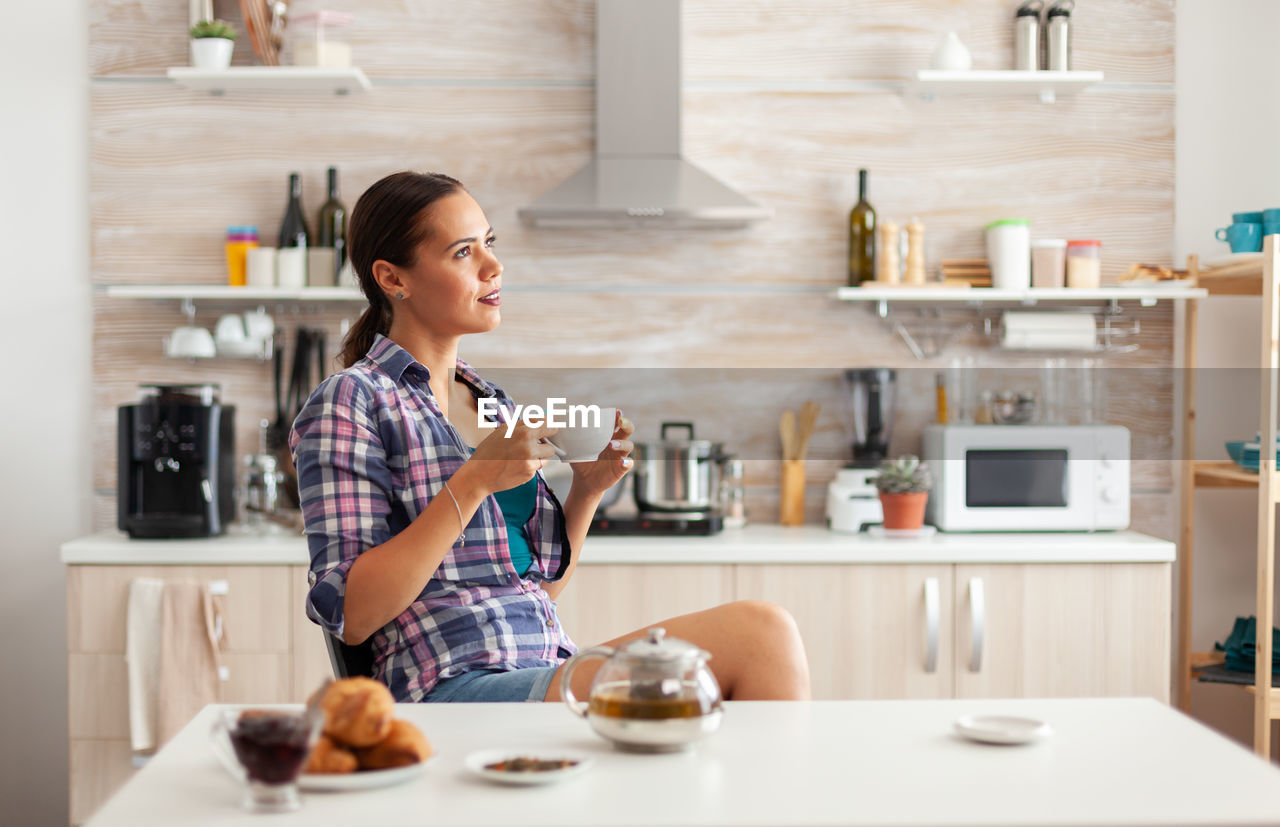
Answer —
(1109, 761)
(755, 544)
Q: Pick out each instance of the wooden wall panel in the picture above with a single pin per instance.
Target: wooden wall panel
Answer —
(171, 168)
(752, 40)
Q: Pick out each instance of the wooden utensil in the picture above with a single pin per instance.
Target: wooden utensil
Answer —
(787, 429)
(808, 419)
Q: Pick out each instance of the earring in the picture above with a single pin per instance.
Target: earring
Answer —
(400, 295)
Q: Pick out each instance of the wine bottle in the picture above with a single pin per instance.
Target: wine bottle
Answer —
(862, 237)
(293, 229)
(331, 226)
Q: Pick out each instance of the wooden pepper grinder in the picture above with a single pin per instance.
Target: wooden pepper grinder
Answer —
(887, 269)
(915, 253)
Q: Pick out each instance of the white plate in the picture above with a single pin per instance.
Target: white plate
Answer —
(1002, 729)
(1136, 284)
(478, 761)
(1233, 258)
(364, 780)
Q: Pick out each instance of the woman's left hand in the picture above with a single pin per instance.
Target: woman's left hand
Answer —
(612, 463)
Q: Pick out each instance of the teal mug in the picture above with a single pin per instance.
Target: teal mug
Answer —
(1270, 222)
(1243, 238)
(1253, 217)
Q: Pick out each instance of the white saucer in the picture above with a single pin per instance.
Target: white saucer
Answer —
(477, 762)
(901, 533)
(1002, 729)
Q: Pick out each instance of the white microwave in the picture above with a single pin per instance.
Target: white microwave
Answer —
(1028, 477)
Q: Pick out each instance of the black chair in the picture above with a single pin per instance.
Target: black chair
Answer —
(349, 661)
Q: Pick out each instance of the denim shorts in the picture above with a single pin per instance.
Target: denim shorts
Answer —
(494, 686)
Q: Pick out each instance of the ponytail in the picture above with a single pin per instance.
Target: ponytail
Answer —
(359, 338)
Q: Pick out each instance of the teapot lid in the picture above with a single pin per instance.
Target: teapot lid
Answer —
(658, 648)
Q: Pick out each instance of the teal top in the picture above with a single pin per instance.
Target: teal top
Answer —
(517, 506)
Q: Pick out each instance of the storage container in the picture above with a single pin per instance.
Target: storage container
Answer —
(1084, 263)
(315, 40)
(1009, 253)
(1048, 262)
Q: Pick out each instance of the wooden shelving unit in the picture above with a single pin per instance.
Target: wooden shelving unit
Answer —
(1249, 278)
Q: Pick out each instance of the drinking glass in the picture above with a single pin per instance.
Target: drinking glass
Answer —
(1052, 392)
(1091, 391)
(960, 389)
(265, 750)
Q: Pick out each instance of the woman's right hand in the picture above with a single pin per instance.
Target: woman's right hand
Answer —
(503, 461)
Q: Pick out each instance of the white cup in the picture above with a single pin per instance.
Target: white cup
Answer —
(260, 265)
(291, 267)
(584, 441)
(190, 342)
(230, 330)
(259, 325)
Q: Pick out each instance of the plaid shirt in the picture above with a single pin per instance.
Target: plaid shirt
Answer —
(372, 449)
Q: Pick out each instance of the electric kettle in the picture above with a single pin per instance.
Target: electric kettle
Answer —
(653, 694)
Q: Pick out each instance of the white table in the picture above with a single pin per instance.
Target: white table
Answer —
(1110, 761)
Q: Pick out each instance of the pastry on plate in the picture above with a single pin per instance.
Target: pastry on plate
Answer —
(404, 745)
(328, 757)
(357, 711)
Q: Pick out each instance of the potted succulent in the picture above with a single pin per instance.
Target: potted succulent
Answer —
(211, 44)
(904, 485)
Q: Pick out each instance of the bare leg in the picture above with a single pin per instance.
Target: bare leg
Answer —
(756, 651)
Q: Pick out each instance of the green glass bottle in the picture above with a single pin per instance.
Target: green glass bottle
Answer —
(862, 237)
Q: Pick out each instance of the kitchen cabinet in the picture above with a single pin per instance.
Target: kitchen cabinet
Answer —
(263, 655)
(1051, 630)
(1002, 631)
(869, 631)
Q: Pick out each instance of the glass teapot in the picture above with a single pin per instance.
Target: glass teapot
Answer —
(654, 694)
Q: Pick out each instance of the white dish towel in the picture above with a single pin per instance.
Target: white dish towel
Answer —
(142, 654)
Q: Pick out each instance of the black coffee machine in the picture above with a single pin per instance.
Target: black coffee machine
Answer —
(176, 463)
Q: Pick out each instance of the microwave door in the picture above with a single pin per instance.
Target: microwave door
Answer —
(1024, 489)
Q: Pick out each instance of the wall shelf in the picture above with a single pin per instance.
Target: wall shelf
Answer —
(977, 295)
(1046, 85)
(222, 292)
(253, 78)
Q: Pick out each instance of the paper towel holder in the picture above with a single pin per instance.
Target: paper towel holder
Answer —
(1110, 330)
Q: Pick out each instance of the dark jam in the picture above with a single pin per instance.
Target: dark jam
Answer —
(271, 747)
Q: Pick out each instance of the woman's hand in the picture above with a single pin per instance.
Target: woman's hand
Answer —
(612, 463)
(507, 461)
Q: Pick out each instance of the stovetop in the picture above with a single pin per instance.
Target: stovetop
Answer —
(659, 524)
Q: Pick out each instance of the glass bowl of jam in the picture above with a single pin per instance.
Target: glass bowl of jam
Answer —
(266, 749)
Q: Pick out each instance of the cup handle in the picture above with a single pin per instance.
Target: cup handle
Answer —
(560, 452)
(566, 691)
(220, 740)
(1220, 234)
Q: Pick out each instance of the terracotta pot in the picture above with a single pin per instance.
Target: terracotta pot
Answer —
(904, 511)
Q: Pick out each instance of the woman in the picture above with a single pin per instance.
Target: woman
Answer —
(436, 538)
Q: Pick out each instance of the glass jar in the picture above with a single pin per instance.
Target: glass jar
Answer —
(1084, 263)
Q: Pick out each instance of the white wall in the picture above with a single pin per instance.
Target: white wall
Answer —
(1228, 124)
(45, 324)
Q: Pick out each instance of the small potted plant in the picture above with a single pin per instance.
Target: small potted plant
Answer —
(904, 485)
(211, 44)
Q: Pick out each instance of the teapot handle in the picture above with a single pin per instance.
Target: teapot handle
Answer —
(579, 707)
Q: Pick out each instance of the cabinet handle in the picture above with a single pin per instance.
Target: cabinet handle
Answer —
(931, 611)
(977, 622)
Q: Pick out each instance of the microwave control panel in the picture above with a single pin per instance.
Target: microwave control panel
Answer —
(1111, 479)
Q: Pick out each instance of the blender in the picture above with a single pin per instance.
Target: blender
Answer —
(853, 503)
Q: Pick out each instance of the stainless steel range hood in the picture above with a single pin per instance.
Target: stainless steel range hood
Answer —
(637, 177)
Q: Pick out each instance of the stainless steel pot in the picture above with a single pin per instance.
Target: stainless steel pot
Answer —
(678, 473)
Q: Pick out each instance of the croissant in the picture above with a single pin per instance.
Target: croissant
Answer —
(330, 757)
(357, 711)
(404, 745)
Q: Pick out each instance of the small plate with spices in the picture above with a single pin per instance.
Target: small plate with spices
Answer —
(528, 766)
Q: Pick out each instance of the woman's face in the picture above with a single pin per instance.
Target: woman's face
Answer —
(453, 285)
